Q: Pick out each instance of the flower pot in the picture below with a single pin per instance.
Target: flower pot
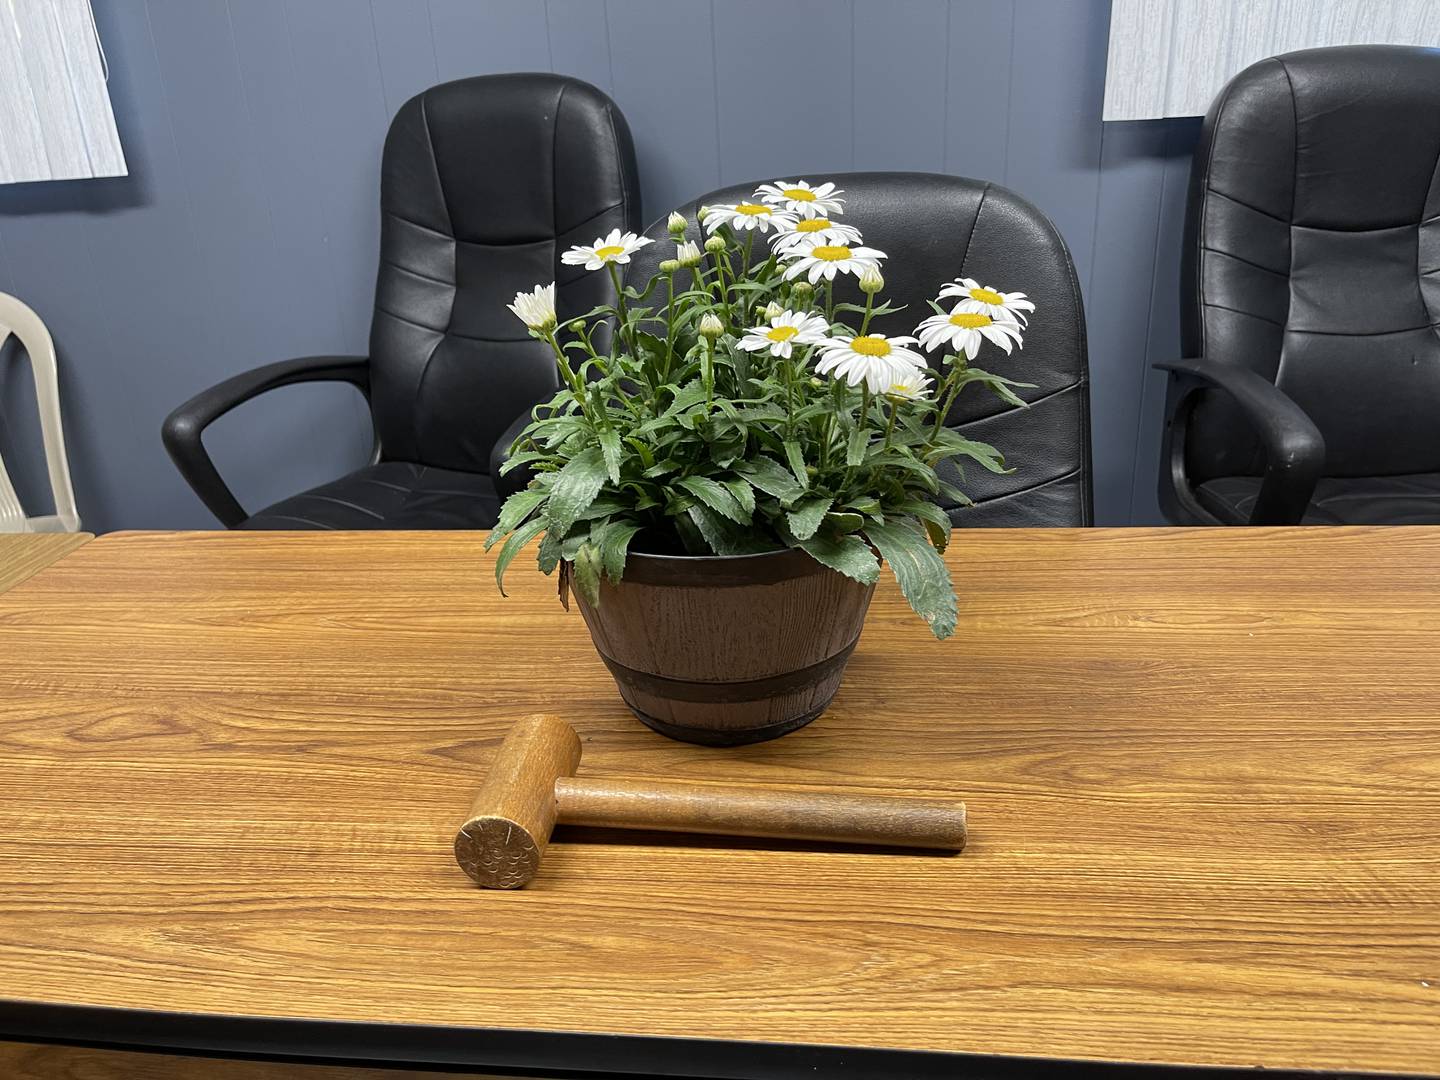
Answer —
(724, 650)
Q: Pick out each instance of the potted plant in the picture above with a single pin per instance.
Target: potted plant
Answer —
(719, 485)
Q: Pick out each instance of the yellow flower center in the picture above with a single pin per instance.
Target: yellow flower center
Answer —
(986, 296)
(900, 388)
(799, 194)
(831, 252)
(750, 209)
(781, 333)
(970, 320)
(874, 345)
(609, 251)
(814, 224)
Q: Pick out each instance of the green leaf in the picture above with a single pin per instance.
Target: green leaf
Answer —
(849, 555)
(955, 495)
(769, 476)
(797, 462)
(936, 521)
(614, 546)
(744, 494)
(722, 536)
(921, 572)
(716, 496)
(841, 523)
(855, 449)
(518, 539)
(807, 516)
(575, 488)
(516, 509)
(612, 451)
(588, 565)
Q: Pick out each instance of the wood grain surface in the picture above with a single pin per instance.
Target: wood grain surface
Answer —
(21, 1061)
(23, 554)
(1202, 769)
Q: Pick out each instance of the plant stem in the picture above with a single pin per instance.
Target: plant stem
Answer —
(865, 322)
(890, 424)
(621, 310)
(669, 328)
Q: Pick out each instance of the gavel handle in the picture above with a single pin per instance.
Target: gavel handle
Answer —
(890, 821)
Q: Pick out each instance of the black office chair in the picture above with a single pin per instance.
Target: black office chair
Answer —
(485, 182)
(936, 228)
(1311, 303)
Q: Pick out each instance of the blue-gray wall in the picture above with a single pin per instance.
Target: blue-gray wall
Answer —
(247, 230)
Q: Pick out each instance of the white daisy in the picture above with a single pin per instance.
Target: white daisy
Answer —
(1000, 306)
(786, 330)
(826, 260)
(817, 229)
(536, 309)
(615, 248)
(879, 361)
(747, 215)
(798, 197)
(914, 387)
(964, 330)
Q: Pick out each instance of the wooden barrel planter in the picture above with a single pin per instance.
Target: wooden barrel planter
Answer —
(724, 650)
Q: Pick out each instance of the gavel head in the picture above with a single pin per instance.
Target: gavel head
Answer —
(501, 842)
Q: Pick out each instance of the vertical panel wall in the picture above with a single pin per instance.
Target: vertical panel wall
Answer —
(248, 229)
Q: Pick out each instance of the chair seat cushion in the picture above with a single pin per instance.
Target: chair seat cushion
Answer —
(390, 495)
(1353, 500)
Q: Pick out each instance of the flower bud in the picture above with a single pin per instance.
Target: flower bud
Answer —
(871, 280)
(715, 245)
(675, 223)
(710, 326)
(802, 291)
(772, 309)
(702, 213)
(578, 326)
(669, 266)
(688, 253)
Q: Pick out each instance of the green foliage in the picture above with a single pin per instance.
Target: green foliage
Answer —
(675, 442)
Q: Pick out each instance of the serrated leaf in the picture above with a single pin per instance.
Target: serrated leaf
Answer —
(615, 546)
(743, 492)
(936, 521)
(843, 523)
(716, 496)
(586, 568)
(517, 540)
(805, 519)
(612, 452)
(855, 448)
(722, 536)
(769, 476)
(516, 509)
(921, 572)
(849, 555)
(575, 488)
(796, 459)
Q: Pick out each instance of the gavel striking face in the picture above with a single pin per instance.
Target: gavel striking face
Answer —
(531, 787)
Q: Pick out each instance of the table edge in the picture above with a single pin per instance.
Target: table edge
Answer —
(556, 1054)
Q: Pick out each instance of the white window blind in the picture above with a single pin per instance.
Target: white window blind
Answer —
(1171, 57)
(55, 116)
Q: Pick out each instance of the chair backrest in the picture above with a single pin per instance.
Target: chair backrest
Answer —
(936, 228)
(25, 325)
(1312, 256)
(484, 183)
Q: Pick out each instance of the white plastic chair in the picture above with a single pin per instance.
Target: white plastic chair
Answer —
(17, 319)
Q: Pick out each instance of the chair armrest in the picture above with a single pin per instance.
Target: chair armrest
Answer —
(183, 428)
(516, 479)
(1294, 447)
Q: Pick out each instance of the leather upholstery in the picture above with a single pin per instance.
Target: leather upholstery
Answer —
(389, 495)
(935, 228)
(1313, 259)
(1361, 500)
(484, 183)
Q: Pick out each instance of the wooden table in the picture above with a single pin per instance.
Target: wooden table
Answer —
(22, 554)
(1203, 771)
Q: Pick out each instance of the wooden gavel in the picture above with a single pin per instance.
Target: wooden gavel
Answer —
(531, 787)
